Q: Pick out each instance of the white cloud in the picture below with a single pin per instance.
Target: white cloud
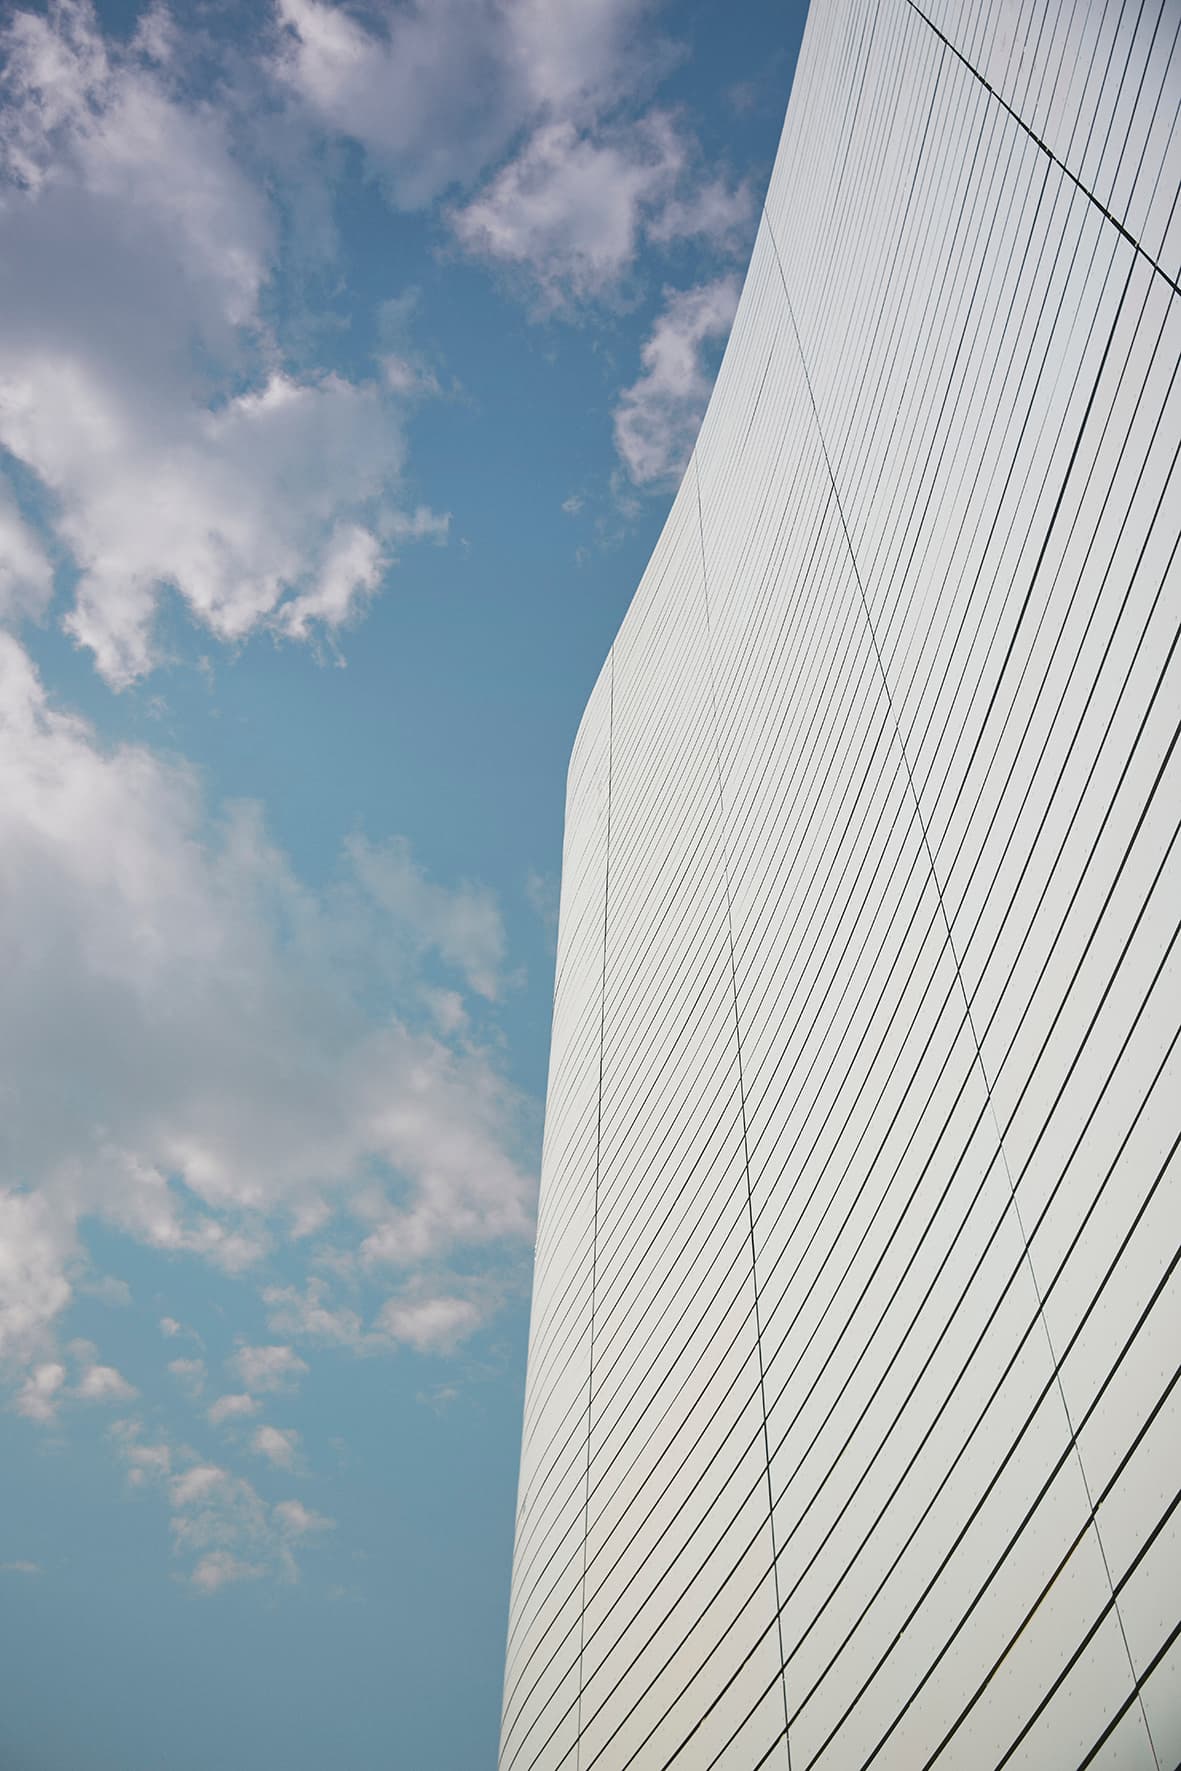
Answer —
(138, 380)
(233, 1407)
(447, 1009)
(351, 568)
(226, 1526)
(218, 1518)
(81, 122)
(430, 1324)
(298, 1520)
(581, 58)
(235, 506)
(35, 1567)
(438, 94)
(350, 571)
(35, 1254)
(219, 1568)
(310, 1316)
(102, 1383)
(438, 90)
(421, 95)
(146, 1463)
(402, 376)
(196, 1485)
(38, 1398)
(714, 211)
(268, 1368)
(572, 207)
(216, 1019)
(26, 575)
(432, 1313)
(657, 418)
(278, 1445)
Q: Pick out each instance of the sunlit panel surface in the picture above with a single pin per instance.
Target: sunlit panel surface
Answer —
(852, 1434)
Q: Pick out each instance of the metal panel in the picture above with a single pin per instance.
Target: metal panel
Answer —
(851, 1426)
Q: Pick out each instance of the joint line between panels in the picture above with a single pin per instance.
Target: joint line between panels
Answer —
(742, 1105)
(1124, 232)
(590, 1388)
(951, 946)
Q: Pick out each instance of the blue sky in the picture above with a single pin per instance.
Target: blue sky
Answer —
(348, 357)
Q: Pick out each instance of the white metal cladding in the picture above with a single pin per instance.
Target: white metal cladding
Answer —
(851, 1432)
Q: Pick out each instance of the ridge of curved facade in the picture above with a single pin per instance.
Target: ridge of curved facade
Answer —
(852, 1434)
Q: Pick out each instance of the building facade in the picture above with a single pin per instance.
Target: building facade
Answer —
(852, 1434)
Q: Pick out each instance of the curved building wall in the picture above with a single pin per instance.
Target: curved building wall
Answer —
(851, 1431)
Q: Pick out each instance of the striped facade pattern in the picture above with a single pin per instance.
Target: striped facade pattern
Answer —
(852, 1432)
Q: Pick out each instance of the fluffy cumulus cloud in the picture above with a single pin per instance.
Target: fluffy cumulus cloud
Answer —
(431, 1324)
(571, 208)
(139, 385)
(421, 90)
(434, 92)
(539, 103)
(657, 418)
(232, 1080)
(302, 1086)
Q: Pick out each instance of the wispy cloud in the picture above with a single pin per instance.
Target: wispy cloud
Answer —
(462, 923)
(190, 1374)
(657, 417)
(430, 1313)
(220, 1526)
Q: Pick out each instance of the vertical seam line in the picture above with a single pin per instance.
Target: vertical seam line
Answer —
(590, 1392)
(742, 1106)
